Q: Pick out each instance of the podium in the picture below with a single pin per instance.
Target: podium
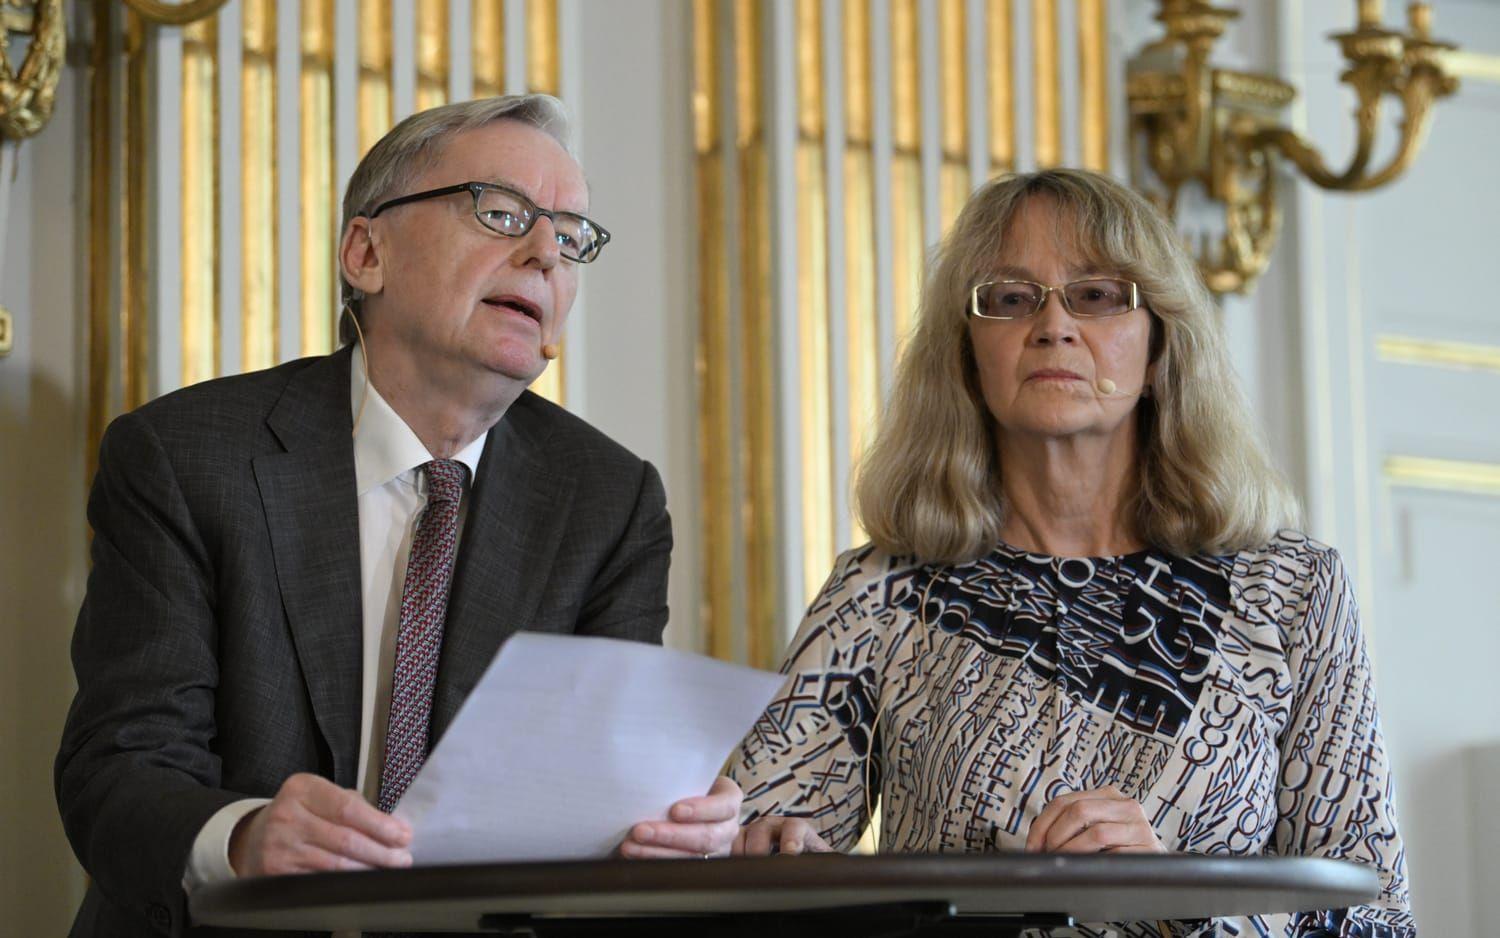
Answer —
(787, 896)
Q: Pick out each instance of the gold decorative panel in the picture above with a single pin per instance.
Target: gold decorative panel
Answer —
(853, 200)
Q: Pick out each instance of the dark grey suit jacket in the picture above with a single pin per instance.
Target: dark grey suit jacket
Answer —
(218, 648)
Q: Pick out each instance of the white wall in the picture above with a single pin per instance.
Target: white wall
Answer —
(630, 78)
(1412, 259)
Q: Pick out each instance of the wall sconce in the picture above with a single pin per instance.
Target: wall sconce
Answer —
(1193, 123)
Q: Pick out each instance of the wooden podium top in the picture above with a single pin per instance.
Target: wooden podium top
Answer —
(1094, 888)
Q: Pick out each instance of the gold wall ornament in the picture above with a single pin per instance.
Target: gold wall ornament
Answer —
(27, 91)
(7, 332)
(166, 13)
(1193, 124)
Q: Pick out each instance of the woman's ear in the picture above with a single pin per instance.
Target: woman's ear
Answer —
(358, 259)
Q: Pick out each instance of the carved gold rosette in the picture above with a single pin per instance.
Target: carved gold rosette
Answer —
(27, 90)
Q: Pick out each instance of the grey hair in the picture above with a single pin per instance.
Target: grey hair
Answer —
(411, 148)
(930, 486)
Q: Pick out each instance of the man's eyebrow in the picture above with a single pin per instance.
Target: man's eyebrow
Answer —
(517, 187)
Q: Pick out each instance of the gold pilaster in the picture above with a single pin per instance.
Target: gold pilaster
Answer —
(488, 25)
(715, 414)
(758, 449)
(1000, 69)
(1093, 84)
(134, 323)
(375, 108)
(907, 240)
(101, 166)
(953, 174)
(200, 200)
(318, 225)
(861, 314)
(432, 53)
(542, 75)
(260, 320)
(1047, 78)
(814, 382)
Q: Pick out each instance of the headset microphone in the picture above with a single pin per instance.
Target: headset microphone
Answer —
(549, 351)
(1106, 386)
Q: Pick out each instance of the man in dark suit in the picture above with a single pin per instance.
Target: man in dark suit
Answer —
(299, 574)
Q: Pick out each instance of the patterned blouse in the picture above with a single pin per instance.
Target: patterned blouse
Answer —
(1230, 695)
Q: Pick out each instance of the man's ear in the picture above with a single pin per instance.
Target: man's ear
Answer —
(358, 260)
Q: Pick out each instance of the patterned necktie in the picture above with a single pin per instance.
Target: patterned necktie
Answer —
(419, 637)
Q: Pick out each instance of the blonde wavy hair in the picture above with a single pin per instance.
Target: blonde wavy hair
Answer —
(930, 486)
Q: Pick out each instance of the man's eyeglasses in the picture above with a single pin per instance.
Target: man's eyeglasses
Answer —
(1086, 299)
(507, 212)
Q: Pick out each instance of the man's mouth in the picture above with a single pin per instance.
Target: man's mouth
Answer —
(517, 304)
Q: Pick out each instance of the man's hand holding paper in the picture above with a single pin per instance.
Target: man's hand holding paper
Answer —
(634, 733)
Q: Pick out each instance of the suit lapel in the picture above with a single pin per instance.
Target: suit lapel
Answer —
(510, 539)
(312, 512)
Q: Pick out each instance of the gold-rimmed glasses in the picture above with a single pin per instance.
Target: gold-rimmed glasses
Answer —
(1093, 298)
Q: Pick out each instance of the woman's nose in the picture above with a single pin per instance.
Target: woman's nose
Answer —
(1053, 324)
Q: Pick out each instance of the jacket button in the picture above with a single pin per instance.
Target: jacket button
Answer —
(160, 917)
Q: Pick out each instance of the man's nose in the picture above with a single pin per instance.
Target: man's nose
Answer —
(539, 247)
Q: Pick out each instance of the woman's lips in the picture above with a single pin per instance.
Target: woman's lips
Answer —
(1053, 374)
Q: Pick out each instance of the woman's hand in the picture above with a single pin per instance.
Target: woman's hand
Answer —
(695, 827)
(779, 835)
(1102, 820)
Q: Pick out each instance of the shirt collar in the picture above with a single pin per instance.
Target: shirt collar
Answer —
(385, 447)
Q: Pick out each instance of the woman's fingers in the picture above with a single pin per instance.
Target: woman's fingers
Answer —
(1093, 821)
(1081, 816)
(788, 835)
(798, 836)
(1036, 838)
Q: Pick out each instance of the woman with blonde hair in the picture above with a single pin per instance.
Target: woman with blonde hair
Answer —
(1084, 623)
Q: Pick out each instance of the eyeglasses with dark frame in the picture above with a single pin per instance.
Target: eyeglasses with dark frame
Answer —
(1094, 298)
(508, 212)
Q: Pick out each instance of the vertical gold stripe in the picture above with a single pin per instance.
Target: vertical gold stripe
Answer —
(200, 196)
(542, 76)
(432, 53)
(488, 25)
(375, 112)
(101, 110)
(758, 451)
(541, 46)
(953, 176)
(861, 315)
(1093, 83)
(906, 165)
(259, 317)
(812, 303)
(715, 417)
(1002, 88)
(1048, 80)
(318, 224)
(134, 325)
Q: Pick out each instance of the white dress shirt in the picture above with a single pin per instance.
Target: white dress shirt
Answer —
(392, 493)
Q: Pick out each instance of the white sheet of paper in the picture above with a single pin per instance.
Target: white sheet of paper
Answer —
(568, 741)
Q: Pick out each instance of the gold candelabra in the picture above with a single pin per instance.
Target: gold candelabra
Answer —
(1195, 124)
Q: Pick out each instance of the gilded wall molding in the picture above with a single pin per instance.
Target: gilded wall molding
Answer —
(175, 14)
(28, 91)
